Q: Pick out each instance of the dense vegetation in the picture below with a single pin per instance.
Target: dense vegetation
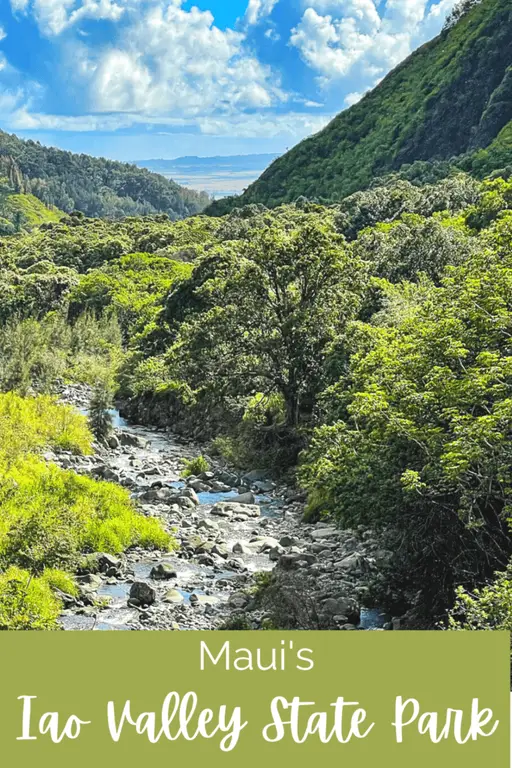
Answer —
(365, 343)
(94, 186)
(49, 516)
(451, 100)
(361, 348)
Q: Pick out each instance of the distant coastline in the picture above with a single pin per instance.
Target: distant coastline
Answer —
(220, 176)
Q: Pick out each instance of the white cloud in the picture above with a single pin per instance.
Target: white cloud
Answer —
(258, 10)
(353, 98)
(335, 36)
(293, 126)
(54, 16)
(329, 46)
(3, 33)
(177, 62)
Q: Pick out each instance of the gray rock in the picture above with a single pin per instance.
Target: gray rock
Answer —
(158, 495)
(188, 493)
(243, 498)
(239, 600)
(143, 592)
(256, 474)
(267, 544)
(184, 502)
(162, 572)
(218, 487)
(208, 525)
(230, 508)
(131, 440)
(198, 486)
(173, 596)
(106, 562)
(241, 548)
(324, 533)
(113, 442)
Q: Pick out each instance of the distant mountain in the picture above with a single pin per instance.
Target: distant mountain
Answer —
(95, 186)
(231, 162)
(451, 98)
(220, 176)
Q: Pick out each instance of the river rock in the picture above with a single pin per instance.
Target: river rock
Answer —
(158, 494)
(185, 502)
(288, 541)
(324, 533)
(275, 554)
(143, 593)
(208, 525)
(256, 474)
(229, 478)
(295, 560)
(241, 548)
(198, 486)
(107, 562)
(162, 572)
(218, 487)
(220, 550)
(113, 442)
(173, 596)
(230, 508)
(131, 440)
(243, 498)
(189, 493)
(267, 544)
(239, 600)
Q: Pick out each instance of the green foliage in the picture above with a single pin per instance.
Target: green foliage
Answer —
(131, 286)
(49, 516)
(488, 608)
(270, 309)
(195, 466)
(419, 432)
(100, 418)
(30, 424)
(450, 98)
(37, 355)
(27, 602)
(95, 186)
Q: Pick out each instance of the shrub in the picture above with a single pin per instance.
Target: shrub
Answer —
(486, 608)
(33, 423)
(49, 516)
(195, 466)
(27, 602)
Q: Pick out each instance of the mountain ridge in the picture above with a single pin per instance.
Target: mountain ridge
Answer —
(451, 97)
(94, 186)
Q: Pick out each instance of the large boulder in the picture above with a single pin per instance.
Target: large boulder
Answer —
(143, 593)
(131, 440)
(230, 509)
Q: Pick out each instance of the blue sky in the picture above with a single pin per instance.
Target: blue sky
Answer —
(138, 79)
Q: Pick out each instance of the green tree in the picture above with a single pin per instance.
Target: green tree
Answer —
(273, 310)
(100, 418)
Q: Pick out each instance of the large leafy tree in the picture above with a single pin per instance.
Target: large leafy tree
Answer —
(271, 312)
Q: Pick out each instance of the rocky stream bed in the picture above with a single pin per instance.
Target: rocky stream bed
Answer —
(230, 527)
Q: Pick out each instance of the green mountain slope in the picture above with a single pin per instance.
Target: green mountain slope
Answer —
(451, 97)
(95, 186)
(22, 212)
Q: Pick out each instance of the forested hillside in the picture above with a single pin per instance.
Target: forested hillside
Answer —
(451, 100)
(362, 348)
(94, 186)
